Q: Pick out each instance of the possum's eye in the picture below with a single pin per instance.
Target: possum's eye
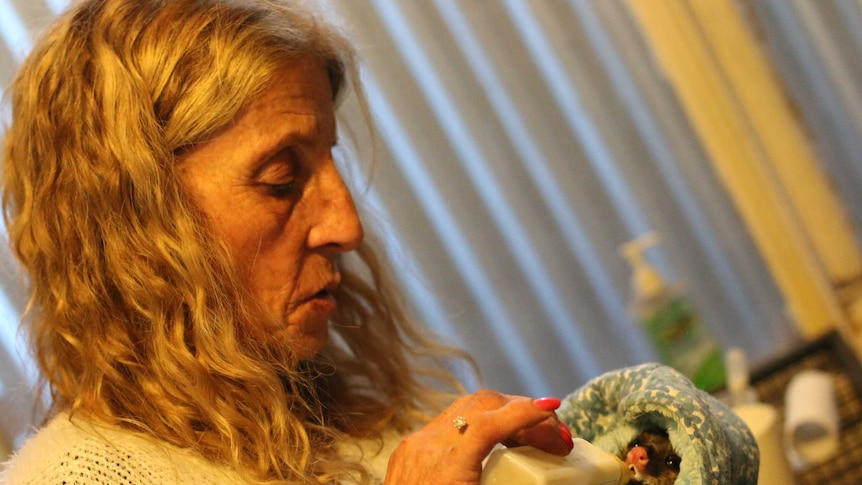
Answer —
(673, 462)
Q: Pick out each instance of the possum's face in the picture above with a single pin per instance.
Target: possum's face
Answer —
(651, 459)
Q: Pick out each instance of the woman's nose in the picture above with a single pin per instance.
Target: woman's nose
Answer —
(336, 223)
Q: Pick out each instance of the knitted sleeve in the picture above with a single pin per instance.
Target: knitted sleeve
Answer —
(66, 452)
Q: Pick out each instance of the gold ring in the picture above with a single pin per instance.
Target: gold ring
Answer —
(460, 423)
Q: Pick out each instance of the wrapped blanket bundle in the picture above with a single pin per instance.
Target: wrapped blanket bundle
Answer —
(716, 447)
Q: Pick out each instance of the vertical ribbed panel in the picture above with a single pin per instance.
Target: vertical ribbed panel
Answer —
(816, 46)
(541, 137)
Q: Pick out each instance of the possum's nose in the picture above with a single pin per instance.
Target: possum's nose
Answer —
(637, 458)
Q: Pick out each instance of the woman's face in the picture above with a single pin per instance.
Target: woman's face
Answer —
(271, 191)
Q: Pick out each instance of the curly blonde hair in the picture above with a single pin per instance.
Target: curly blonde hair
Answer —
(133, 304)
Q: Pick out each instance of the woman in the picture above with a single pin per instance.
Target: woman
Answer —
(204, 305)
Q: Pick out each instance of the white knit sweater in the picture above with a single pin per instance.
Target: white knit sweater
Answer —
(80, 452)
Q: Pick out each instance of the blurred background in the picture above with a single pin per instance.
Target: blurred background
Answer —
(522, 142)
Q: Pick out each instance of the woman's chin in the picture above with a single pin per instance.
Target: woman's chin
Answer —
(305, 339)
(299, 339)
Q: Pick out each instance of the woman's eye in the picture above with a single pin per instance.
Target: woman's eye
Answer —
(280, 191)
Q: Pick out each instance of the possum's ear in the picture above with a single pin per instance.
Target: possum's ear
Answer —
(612, 409)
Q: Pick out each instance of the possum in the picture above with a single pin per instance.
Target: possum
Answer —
(651, 459)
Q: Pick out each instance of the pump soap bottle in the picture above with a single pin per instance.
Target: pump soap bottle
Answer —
(670, 320)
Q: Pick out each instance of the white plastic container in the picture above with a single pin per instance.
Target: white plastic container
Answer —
(763, 421)
(585, 465)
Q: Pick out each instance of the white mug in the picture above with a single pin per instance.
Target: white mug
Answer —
(811, 421)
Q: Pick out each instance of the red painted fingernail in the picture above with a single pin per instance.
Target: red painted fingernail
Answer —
(566, 434)
(547, 403)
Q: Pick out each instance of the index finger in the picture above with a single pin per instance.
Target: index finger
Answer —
(520, 419)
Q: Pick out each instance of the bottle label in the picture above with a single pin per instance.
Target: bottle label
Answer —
(682, 344)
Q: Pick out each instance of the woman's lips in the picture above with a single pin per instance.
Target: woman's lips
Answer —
(322, 302)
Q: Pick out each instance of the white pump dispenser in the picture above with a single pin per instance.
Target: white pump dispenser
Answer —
(670, 320)
(646, 282)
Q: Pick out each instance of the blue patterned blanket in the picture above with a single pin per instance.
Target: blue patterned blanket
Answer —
(716, 447)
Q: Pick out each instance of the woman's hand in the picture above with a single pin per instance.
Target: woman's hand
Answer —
(443, 452)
